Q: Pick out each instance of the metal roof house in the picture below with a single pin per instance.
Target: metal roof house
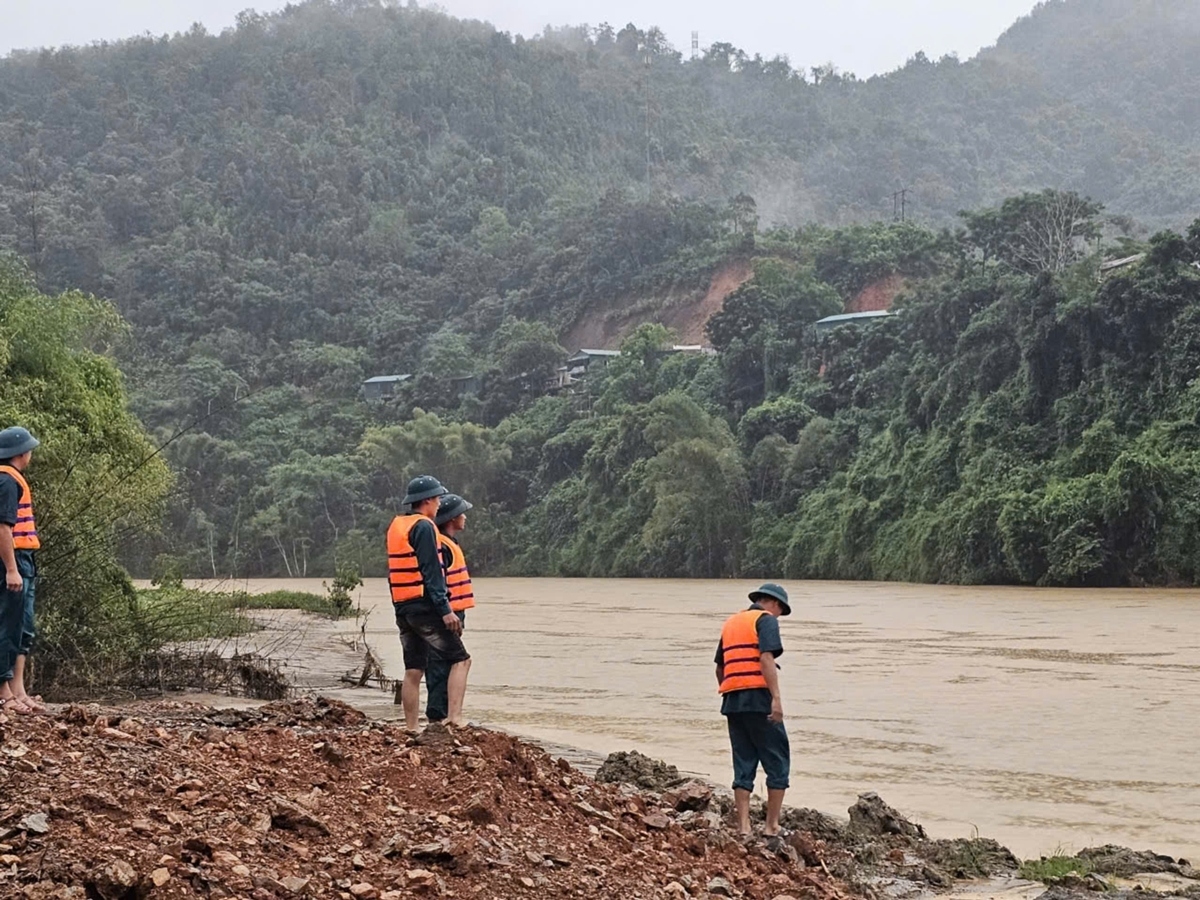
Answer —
(586, 358)
(578, 364)
(856, 318)
(467, 385)
(382, 387)
(1113, 266)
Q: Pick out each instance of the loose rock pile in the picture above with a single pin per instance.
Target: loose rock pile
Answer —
(309, 799)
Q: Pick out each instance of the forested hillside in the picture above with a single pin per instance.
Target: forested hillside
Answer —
(353, 188)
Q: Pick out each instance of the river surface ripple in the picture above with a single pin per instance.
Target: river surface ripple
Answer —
(1047, 719)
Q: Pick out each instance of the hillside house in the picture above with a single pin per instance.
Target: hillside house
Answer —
(382, 387)
(467, 385)
(580, 363)
(855, 318)
(1112, 267)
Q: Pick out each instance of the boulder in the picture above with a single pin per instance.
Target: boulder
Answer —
(870, 815)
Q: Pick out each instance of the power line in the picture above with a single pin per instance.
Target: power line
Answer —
(899, 205)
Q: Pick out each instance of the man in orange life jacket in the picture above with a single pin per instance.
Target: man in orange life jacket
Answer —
(451, 520)
(18, 541)
(748, 679)
(421, 603)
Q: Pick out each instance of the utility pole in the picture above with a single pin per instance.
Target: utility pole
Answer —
(899, 204)
(646, 59)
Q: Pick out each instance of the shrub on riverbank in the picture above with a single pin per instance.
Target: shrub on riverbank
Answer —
(1050, 868)
(301, 600)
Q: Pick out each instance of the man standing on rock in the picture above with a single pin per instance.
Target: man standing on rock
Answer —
(451, 520)
(18, 541)
(421, 603)
(748, 679)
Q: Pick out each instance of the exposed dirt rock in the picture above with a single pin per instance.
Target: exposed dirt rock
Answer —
(308, 799)
(631, 767)
(685, 312)
(877, 295)
(970, 858)
(876, 851)
(1113, 860)
(1093, 887)
(870, 815)
(693, 796)
(817, 823)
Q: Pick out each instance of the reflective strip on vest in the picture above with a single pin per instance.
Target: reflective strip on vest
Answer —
(458, 578)
(24, 532)
(404, 575)
(741, 660)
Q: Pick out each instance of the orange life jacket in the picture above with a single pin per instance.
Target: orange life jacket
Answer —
(741, 660)
(404, 575)
(25, 536)
(458, 579)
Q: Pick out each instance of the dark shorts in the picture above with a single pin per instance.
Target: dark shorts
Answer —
(754, 739)
(422, 630)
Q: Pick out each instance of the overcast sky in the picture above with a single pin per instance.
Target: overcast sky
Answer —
(862, 36)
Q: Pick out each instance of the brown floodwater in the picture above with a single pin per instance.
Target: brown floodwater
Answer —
(1047, 719)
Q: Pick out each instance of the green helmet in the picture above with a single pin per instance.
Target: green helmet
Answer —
(451, 507)
(16, 440)
(771, 591)
(421, 488)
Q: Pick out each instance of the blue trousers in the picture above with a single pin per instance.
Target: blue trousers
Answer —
(437, 680)
(755, 739)
(16, 625)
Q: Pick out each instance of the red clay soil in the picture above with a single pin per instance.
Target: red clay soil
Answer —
(603, 327)
(877, 295)
(688, 321)
(308, 798)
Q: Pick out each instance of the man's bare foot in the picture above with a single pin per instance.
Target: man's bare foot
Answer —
(15, 706)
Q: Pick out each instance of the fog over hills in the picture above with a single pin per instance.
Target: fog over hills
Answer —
(348, 188)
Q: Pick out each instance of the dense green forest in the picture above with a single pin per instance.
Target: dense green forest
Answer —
(354, 188)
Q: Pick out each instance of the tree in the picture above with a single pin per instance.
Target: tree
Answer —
(743, 220)
(1034, 233)
(98, 479)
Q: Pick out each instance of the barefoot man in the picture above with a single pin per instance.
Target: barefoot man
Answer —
(748, 679)
(18, 541)
(421, 602)
(451, 520)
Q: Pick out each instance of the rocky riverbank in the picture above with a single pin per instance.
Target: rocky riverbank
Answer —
(310, 798)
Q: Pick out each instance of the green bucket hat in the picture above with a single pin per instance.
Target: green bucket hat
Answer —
(422, 488)
(16, 440)
(450, 507)
(770, 591)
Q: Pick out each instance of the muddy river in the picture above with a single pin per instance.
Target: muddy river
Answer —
(1049, 720)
